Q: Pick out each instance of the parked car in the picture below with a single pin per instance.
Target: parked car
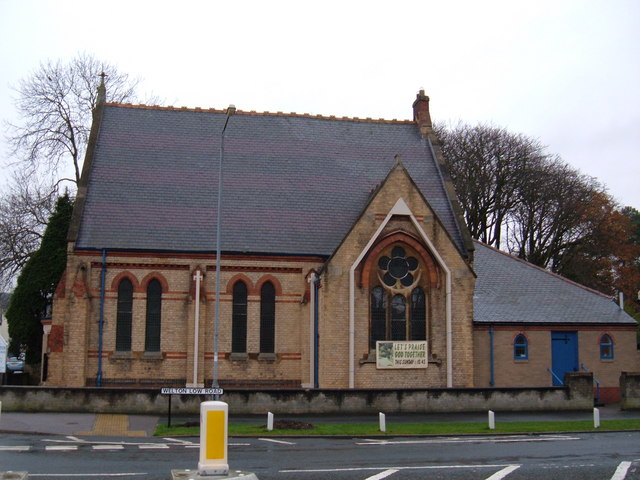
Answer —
(15, 365)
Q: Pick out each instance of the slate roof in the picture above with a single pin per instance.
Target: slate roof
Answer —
(293, 184)
(510, 290)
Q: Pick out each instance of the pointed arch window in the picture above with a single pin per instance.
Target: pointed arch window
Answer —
(398, 302)
(239, 318)
(153, 317)
(267, 318)
(124, 315)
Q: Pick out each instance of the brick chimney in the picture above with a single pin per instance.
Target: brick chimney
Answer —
(421, 113)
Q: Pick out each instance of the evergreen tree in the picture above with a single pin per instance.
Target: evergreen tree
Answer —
(37, 282)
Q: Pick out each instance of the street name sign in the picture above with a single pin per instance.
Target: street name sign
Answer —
(192, 391)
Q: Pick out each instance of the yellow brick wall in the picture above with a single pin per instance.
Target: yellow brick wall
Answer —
(533, 371)
(334, 328)
(78, 363)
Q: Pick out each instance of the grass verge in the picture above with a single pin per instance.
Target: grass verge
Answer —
(398, 429)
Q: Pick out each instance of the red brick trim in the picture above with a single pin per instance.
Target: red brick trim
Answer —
(140, 266)
(144, 284)
(401, 237)
(269, 278)
(237, 278)
(200, 256)
(55, 342)
(549, 327)
(122, 275)
(611, 336)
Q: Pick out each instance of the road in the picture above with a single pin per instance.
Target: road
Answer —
(611, 456)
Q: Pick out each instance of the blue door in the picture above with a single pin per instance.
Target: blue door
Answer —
(564, 355)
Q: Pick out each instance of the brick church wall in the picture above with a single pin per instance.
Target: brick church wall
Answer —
(334, 329)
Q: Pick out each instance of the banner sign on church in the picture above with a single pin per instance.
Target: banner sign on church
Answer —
(401, 354)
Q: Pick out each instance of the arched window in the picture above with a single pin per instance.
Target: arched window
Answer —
(124, 315)
(418, 314)
(606, 347)
(398, 302)
(378, 316)
(154, 316)
(398, 318)
(520, 347)
(239, 318)
(267, 318)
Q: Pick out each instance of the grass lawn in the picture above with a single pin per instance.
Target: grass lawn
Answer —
(398, 429)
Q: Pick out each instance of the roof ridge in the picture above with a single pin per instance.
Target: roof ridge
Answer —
(565, 279)
(256, 113)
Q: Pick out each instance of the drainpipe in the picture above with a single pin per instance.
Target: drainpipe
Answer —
(316, 333)
(492, 382)
(196, 328)
(312, 330)
(103, 275)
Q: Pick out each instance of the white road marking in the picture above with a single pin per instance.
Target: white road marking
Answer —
(368, 469)
(85, 475)
(509, 439)
(15, 448)
(61, 448)
(178, 440)
(381, 475)
(153, 446)
(621, 471)
(108, 447)
(276, 441)
(504, 472)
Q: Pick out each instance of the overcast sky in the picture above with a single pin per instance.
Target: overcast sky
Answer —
(565, 72)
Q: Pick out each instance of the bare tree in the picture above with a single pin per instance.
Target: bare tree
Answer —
(487, 165)
(55, 105)
(558, 210)
(24, 212)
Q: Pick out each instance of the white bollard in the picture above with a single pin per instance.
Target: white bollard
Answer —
(492, 420)
(383, 422)
(596, 418)
(213, 438)
(269, 421)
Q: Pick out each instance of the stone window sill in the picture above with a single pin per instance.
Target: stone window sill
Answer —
(238, 357)
(267, 357)
(152, 356)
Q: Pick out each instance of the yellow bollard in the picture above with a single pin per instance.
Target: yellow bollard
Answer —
(213, 438)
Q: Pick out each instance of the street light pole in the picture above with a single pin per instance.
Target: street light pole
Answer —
(216, 327)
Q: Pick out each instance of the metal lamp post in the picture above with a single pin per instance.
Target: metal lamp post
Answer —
(230, 111)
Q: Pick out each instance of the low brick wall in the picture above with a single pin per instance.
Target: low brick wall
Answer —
(577, 395)
(630, 390)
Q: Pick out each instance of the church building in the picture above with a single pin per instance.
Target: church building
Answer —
(345, 264)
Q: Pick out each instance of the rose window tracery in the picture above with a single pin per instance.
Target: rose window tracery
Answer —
(398, 272)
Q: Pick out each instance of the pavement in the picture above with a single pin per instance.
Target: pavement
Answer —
(120, 425)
